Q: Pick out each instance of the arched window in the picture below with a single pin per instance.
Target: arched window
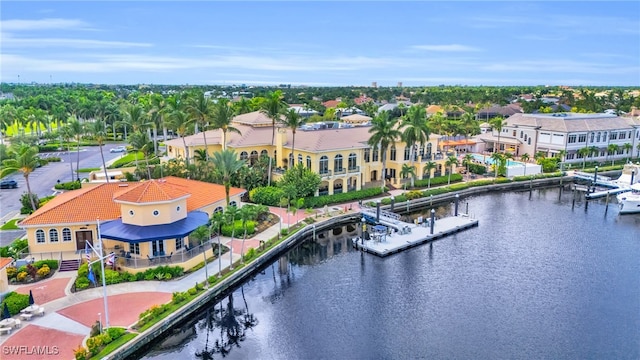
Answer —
(407, 153)
(604, 137)
(428, 153)
(253, 157)
(291, 160)
(244, 155)
(218, 209)
(598, 137)
(324, 165)
(40, 236)
(300, 159)
(264, 153)
(233, 203)
(66, 234)
(592, 135)
(308, 162)
(53, 235)
(392, 157)
(337, 163)
(353, 161)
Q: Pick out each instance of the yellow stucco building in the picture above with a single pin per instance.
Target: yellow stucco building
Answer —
(341, 156)
(143, 223)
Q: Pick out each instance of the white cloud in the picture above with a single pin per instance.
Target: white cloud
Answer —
(446, 48)
(42, 24)
(9, 41)
(564, 66)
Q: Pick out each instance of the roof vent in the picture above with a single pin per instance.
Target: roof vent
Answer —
(123, 185)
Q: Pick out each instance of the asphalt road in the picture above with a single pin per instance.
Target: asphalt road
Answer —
(43, 179)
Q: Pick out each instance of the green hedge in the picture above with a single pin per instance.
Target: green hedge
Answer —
(15, 302)
(267, 195)
(116, 277)
(438, 180)
(53, 264)
(14, 248)
(71, 185)
(239, 230)
(319, 201)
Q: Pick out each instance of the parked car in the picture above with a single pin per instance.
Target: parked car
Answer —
(118, 149)
(8, 184)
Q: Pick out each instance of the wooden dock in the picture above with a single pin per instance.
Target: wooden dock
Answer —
(419, 234)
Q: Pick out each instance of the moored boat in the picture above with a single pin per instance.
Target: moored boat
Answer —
(629, 201)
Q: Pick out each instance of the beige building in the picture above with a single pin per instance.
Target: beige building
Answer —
(340, 155)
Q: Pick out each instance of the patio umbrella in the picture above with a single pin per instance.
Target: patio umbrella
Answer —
(31, 301)
(5, 312)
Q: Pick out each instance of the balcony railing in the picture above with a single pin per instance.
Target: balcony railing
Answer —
(183, 255)
(340, 171)
(354, 169)
(325, 173)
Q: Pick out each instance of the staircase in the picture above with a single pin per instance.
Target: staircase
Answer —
(69, 265)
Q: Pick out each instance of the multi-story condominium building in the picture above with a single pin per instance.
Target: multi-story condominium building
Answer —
(340, 155)
(568, 132)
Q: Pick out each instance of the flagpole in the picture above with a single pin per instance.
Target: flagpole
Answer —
(104, 283)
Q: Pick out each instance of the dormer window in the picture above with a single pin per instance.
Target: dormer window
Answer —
(156, 212)
(131, 212)
(178, 208)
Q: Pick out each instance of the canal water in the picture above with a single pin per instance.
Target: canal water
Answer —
(535, 280)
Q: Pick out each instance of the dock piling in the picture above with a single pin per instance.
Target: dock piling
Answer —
(455, 213)
(393, 202)
(378, 211)
(433, 219)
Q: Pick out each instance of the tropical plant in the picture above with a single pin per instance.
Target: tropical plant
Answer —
(451, 161)
(246, 213)
(612, 149)
(383, 134)
(293, 121)
(23, 159)
(77, 129)
(498, 159)
(427, 170)
(466, 161)
(222, 118)
(181, 122)
(584, 152)
(140, 142)
(497, 123)
(200, 108)
(415, 132)
(230, 216)
(303, 180)
(227, 164)
(627, 147)
(273, 107)
(99, 131)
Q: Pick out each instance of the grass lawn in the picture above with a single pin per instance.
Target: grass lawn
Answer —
(114, 345)
(87, 170)
(130, 157)
(10, 225)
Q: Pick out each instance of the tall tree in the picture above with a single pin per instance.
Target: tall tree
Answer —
(497, 123)
(140, 141)
(77, 129)
(227, 165)
(415, 131)
(293, 121)
(23, 159)
(408, 171)
(247, 212)
(200, 108)
(181, 122)
(99, 131)
(627, 147)
(612, 149)
(451, 160)
(222, 118)
(384, 133)
(273, 107)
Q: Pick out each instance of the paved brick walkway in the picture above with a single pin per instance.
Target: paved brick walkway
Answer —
(47, 290)
(33, 342)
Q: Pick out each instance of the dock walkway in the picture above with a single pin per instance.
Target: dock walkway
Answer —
(419, 234)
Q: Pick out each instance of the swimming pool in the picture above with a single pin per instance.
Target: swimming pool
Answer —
(486, 159)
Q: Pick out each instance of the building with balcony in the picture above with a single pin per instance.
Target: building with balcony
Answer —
(143, 223)
(340, 155)
(568, 132)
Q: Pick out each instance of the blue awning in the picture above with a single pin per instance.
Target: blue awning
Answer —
(116, 230)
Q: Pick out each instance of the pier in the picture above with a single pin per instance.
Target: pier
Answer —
(389, 241)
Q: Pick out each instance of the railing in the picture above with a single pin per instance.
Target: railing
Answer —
(179, 257)
(325, 173)
(384, 214)
(340, 171)
(354, 169)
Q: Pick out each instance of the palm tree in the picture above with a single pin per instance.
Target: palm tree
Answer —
(200, 108)
(222, 118)
(467, 161)
(77, 129)
(273, 107)
(24, 159)
(99, 131)
(594, 150)
(227, 164)
(612, 149)
(242, 106)
(247, 212)
(133, 116)
(181, 122)
(627, 148)
(217, 220)
(406, 171)
(451, 160)
(469, 125)
(497, 123)
(497, 161)
(230, 216)
(66, 133)
(139, 141)
(584, 152)
(525, 157)
(383, 134)
(293, 121)
(427, 169)
(200, 155)
(416, 131)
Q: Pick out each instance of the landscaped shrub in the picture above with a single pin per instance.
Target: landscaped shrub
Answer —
(319, 201)
(116, 332)
(52, 264)
(22, 276)
(82, 283)
(15, 302)
(71, 185)
(178, 297)
(477, 169)
(250, 254)
(14, 249)
(267, 195)
(111, 277)
(43, 271)
(438, 180)
(239, 230)
(413, 194)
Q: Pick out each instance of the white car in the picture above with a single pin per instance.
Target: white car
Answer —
(118, 149)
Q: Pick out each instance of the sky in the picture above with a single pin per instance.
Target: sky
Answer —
(323, 43)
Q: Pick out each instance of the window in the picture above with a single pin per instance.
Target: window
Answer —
(324, 165)
(244, 155)
(131, 212)
(264, 153)
(299, 159)
(529, 141)
(428, 154)
(582, 138)
(134, 248)
(308, 162)
(525, 139)
(614, 136)
(291, 163)
(179, 243)
(604, 136)
(376, 154)
(177, 208)
(521, 134)
(218, 209)
(392, 157)
(66, 234)
(40, 236)
(337, 163)
(623, 135)
(367, 155)
(592, 137)
(513, 133)
(407, 153)
(233, 203)
(353, 161)
(156, 212)
(53, 235)
(571, 156)
(253, 157)
(572, 139)
(598, 137)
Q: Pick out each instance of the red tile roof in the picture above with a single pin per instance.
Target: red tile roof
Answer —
(88, 204)
(5, 261)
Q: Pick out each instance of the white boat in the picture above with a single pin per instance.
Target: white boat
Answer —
(630, 175)
(629, 201)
